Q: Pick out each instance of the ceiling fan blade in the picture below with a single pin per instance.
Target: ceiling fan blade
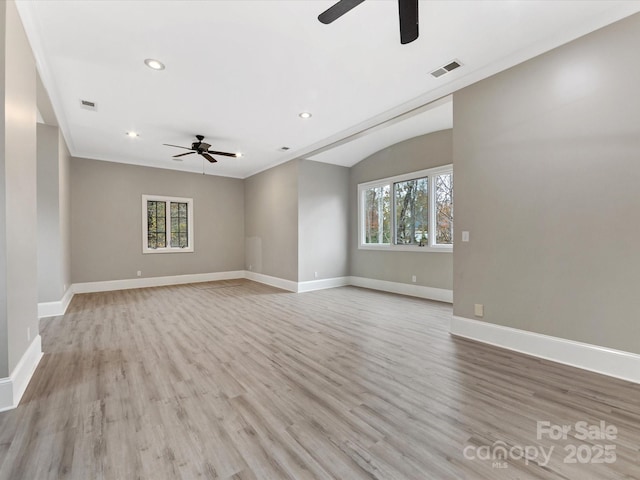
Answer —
(209, 157)
(408, 10)
(177, 146)
(183, 154)
(336, 11)
(225, 154)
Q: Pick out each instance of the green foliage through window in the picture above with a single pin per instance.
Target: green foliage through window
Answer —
(156, 224)
(412, 211)
(408, 210)
(168, 224)
(444, 209)
(377, 215)
(179, 225)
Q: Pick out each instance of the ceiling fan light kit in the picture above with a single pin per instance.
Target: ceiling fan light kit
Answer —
(407, 12)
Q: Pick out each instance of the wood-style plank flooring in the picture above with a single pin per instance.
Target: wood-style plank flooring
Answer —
(237, 380)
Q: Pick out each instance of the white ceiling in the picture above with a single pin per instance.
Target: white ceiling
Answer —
(432, 117)
(240, 72)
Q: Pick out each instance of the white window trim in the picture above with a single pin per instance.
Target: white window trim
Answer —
(391, 247)
(145, 226)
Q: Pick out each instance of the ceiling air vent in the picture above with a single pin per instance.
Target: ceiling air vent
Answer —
(446, 69)
(86, 104)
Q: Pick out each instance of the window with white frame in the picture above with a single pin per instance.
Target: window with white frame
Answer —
(408, 212)
(167, 224)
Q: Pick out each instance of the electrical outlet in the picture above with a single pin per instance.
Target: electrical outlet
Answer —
(413, 279)
(315, 274)
(465, 236)
(250, 267)
(478, 310)
(139, 273)
(28, 334)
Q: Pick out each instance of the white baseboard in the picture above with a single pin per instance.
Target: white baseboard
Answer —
(312, 285)
(58, 308)
(431, 293)
(129, 283)
(53, 309)
(277, 282)
(607, 361)
(6, 394)
(13, 387)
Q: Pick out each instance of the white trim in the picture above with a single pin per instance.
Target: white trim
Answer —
(431, 293)
(273, 281)
(53, 309)
(312, 285)
(607, 361)
(129, 283)
(427, 172)
(431, 174)
(385, 247)
(145, 226)
(6, 394)
(13, 387)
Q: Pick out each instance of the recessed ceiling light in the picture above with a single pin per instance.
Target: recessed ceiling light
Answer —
(153, 63)
(133, 134)
(305, 115)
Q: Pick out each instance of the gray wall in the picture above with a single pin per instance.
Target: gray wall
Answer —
(54, 259)
(432, 269)
(64, 212)
(271, 221)
(323, 220)
(4, 334)
(106, 221)
(547, 168)
(49, 246)
(18, 220)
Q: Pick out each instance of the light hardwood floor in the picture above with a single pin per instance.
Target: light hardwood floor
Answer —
(237, 380)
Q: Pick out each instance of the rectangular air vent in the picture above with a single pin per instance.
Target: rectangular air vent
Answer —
(452, 66)
(446, 68)
(88, 105)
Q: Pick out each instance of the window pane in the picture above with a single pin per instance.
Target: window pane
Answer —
(444, 209)
(412, 211)
(377, 215)
(155, 224)
(179, 225)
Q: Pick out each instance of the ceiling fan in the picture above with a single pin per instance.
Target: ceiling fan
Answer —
(407, 9)
(202, 148)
